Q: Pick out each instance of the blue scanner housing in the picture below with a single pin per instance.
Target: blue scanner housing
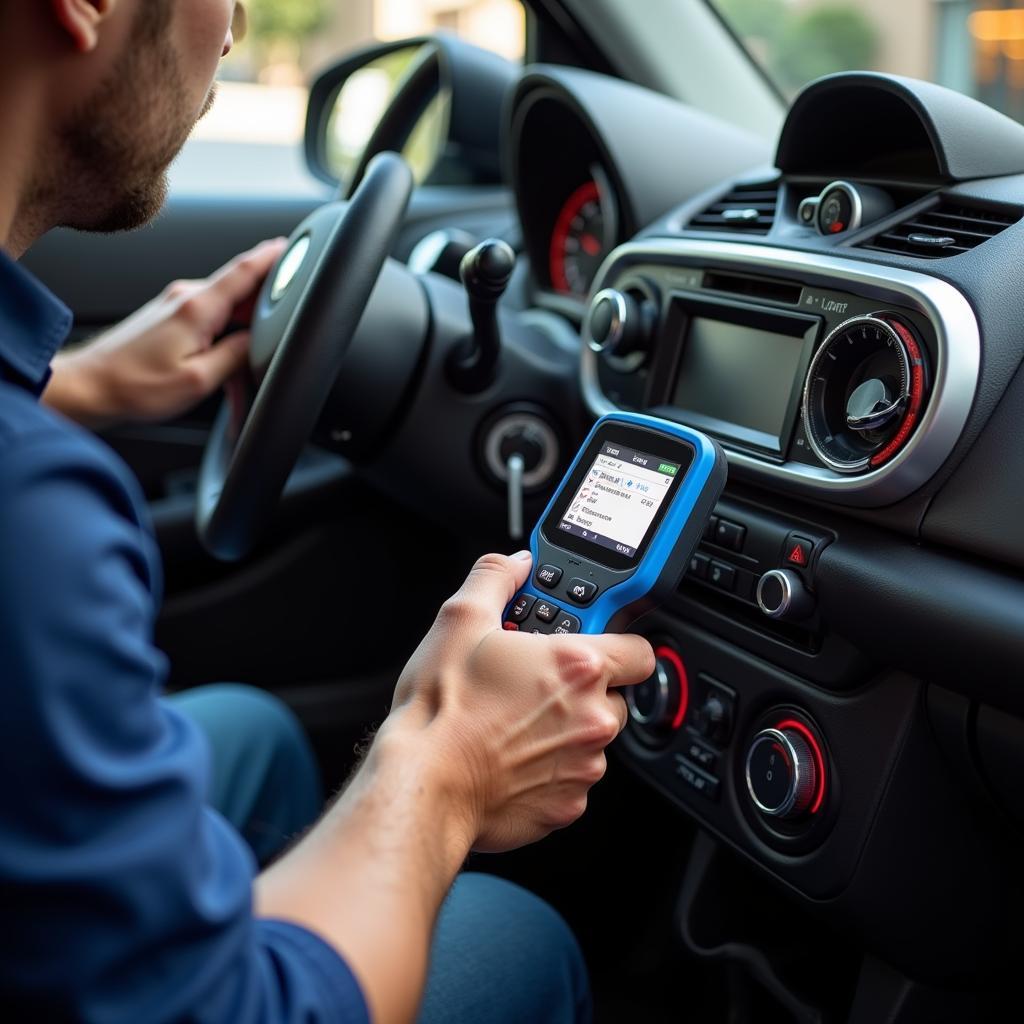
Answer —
(625, 587)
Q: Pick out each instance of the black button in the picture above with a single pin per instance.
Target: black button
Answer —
(702, 756)
(730, 535)
(721, 575)
(706, 785)
(712, 526)
(799, 551)
(548, 575)
(699, 565)
(566, 623)
(521, 608)
(545, 611)
(581, 591)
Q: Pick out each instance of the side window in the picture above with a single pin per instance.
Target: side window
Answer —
(251, 140)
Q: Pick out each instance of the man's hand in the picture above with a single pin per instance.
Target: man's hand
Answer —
(520, 721)
(162, 360)
(494, 740)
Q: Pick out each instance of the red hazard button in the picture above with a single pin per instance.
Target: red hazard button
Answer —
(798, 551)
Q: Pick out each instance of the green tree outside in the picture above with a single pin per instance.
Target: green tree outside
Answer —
(799, 44)
(279, 20)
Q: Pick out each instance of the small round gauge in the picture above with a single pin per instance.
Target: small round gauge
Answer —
(865, 392)
(584, 233)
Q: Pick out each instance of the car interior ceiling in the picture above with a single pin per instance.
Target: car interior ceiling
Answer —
(836, 310)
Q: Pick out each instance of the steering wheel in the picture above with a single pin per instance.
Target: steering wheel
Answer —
(304, 320)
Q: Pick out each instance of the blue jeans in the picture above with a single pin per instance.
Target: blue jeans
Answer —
(500, 955)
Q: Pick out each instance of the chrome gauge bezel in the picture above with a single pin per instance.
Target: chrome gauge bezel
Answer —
(954, 372)
(823, 348)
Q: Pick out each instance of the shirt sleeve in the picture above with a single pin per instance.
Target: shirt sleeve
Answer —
(123, 896)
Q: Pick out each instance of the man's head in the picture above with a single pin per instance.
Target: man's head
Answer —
(117, 86)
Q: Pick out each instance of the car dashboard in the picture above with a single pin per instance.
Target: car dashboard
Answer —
(837, 683)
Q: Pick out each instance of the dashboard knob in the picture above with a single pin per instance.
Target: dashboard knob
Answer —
(782, 776)
(712, 719)
(658, 704)
(781, 594)
(619, 326)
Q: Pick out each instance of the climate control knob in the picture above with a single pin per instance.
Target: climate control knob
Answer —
(657, 706)
(620, 325)
(783, 776)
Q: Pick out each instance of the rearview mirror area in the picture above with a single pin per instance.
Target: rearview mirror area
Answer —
(436, 100)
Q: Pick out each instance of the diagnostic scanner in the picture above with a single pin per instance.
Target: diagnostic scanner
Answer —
(618, 534)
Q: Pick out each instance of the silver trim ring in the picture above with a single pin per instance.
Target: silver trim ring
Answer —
(904, 356)
(657, 714)
(776, 736)
(787, 594)
(958, 358)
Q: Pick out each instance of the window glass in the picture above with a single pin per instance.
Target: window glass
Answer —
(973, 46)
(251, 140)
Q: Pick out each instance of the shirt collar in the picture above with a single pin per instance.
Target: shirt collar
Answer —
(34, 323)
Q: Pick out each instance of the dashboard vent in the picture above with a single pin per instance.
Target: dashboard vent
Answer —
(948, 229)
(749, 208)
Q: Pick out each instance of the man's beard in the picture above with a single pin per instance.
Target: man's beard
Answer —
(116, 148)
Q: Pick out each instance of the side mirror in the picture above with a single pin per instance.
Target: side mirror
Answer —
(437, 100)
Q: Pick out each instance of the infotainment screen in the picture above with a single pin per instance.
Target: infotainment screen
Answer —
(738, 381)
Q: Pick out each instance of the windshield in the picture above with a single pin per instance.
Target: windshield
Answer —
(974, 48)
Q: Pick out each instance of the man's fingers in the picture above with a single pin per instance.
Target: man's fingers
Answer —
(619, 709)
(236, 283)
(627, 658)
(216, 364)
(491, 584)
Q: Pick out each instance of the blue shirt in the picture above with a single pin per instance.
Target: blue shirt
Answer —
(123, 896)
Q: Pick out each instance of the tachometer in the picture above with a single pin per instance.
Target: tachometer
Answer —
(583, 235)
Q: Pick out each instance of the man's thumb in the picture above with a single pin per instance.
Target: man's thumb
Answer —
(494, 580)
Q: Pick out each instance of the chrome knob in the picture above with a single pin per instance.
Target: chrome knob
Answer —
(781, 773)
(781, 594)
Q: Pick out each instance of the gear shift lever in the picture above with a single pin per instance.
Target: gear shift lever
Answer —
(485, 271)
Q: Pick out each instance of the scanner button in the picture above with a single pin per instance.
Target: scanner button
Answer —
(521, 608)
(548, 575)
(580, 591)
(545, 612)
(567, 623)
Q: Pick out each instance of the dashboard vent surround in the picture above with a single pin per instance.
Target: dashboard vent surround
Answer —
(749, 208)
(947, 229)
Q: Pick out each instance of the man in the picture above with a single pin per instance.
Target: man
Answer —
(123, 896)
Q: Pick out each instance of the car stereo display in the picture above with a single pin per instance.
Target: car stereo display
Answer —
(741, 380)
(619, 498)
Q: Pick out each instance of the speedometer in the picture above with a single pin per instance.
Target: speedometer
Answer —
(583, 235)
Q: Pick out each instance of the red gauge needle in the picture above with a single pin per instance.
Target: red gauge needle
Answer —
(591, 245)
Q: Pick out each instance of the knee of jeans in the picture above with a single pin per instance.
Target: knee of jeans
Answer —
(267, 724)
(519, 919)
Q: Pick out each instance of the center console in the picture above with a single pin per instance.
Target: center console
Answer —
(829, 382)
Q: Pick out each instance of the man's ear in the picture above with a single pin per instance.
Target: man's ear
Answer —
(81, 20)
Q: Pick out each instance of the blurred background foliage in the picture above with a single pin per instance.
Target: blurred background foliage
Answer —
(798, 43)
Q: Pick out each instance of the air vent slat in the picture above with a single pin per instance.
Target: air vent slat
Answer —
(947, 229)
(747, 208)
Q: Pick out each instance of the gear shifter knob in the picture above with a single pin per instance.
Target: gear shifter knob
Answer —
(485, 271)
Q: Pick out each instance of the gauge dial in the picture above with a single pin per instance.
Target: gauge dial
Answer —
(583, 235)
(864, 393)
